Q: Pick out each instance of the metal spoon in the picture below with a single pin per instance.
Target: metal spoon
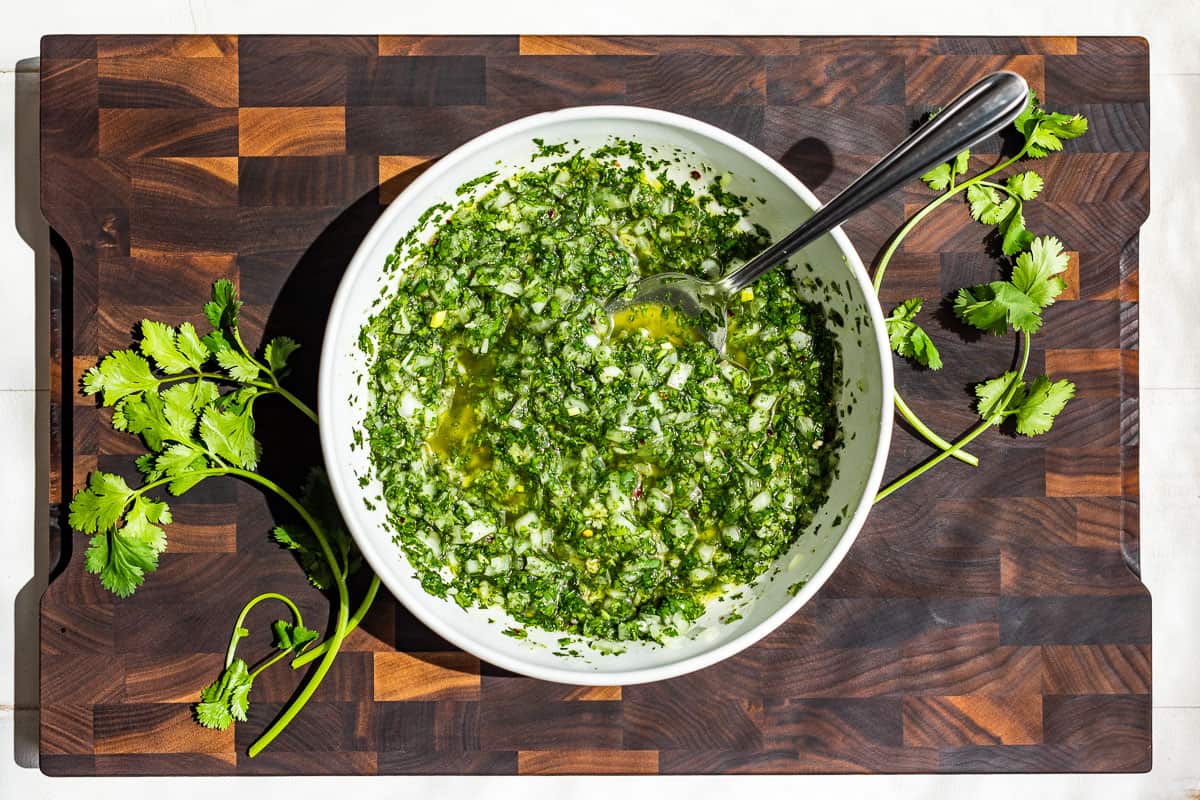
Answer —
(978, 112)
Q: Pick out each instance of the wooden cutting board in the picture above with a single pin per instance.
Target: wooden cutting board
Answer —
(986, 620)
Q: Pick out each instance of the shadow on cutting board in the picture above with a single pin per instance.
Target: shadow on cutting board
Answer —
(300, 310)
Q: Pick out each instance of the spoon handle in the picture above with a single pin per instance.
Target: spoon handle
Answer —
(980, 111)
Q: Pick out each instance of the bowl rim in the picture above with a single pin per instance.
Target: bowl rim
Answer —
(346, 495)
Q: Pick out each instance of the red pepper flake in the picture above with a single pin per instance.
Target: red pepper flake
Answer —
(550, 213)
(695, 174)
(637, 493)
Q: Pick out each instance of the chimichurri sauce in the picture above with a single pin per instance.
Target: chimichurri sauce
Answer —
(593, 478)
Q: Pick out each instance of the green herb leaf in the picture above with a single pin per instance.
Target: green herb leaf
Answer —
(229, 434)
(938, 178)
(121, 563)
(119, 375)
(158, 343)
(239, 367)
(908, 339)
(226, 699)
(942, 176)
(1014, 237)
(178, 460)
(1025, 185)
(318, 499)
(1045, 131)
(120, 555)
(994, 398)
(1045, 400)
(1036, 273)
(277, 352)
(961, 162)
(222, 311)
(191, 347)
(292, 637)
(986, 206)
(178, 412)
(101, 504)
(1035, 284)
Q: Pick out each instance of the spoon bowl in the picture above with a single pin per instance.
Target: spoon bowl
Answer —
(701, 302)
(983, 109)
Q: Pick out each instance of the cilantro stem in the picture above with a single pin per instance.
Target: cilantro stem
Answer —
(928, 432)
(237, 626)
(902, 407)
(297, 402)
(310, 655)
(972, 434)
(237, 337)
(273, 386)
(339, 631)
(239, 632)
(1000, 187)
(334, 642)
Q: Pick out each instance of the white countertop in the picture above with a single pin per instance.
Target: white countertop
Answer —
(1170, 368)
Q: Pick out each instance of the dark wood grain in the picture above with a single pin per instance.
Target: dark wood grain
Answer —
(987, 619)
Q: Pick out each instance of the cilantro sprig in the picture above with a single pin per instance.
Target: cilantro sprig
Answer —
(1000, 306)
(191, 398)
(168, 393)
(908, 338)
(228, 698)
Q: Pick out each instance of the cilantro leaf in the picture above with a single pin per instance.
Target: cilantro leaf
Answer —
(1007, 215)
(992, 307)
(1025, 185)
(1014, 236)
(292, 637)
(277, 352)
(158, 343)
(121, 563)
(986, 206)
(992, 396)
(120, 555)
(222, 311)
(118, 375)
(318, 499)
(142, 523)
(178, 411)
(145, 465)
(938, 178)
(1035, 284)
(190, 346)
(227, 698)
(1036, 273)
(1045, 400)
(942, 176)
(1035, 406)
(908, 339)
(101, 504)
(239, 367)
(215, 342)
(178, 460)
(961, 162)
(1045, 131)
(229, 434)
(144, 415)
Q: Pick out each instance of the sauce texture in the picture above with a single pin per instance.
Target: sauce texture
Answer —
(599, 479)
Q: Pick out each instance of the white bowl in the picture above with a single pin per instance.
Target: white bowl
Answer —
(864, 403)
